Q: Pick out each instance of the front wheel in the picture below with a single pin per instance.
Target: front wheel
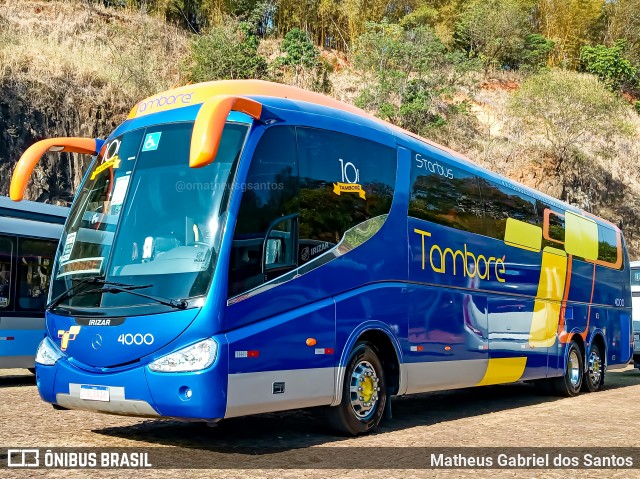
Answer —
(594, 375)
(570, 382)
(364, 393)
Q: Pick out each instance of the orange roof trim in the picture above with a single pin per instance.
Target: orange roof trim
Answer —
(30, 158)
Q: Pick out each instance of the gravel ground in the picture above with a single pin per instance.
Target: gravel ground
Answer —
(496, 416)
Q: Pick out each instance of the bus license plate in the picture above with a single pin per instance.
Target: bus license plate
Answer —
(94, 393)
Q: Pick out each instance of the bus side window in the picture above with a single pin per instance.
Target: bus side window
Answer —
(6, 252)
(502, 202)
(344, 181)
(35, 262)
(552, 221)
(607, 246)
(443, 194)
(269, 193)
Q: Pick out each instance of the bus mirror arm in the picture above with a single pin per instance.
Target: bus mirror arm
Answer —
(29, 159)
(210, 121)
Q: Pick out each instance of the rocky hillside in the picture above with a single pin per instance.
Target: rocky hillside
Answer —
(72, 69)
(69, 69)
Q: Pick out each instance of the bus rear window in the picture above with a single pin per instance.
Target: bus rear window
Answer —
(607, 245)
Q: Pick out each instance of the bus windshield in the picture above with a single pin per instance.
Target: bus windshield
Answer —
(145, 218)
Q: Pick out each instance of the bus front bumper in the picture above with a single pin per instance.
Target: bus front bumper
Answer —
(195, 396)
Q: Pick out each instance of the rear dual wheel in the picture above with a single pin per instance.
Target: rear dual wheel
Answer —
(570, 382)
(594, 375)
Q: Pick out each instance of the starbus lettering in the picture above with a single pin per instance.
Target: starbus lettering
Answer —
(472, 264)
(160, 101)
(433, 167)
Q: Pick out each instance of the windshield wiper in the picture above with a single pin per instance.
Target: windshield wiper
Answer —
(72, 291)
(115, 288)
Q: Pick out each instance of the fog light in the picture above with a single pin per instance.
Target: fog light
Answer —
(185, 393)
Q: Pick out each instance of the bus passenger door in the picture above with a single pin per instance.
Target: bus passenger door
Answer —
(448, 342)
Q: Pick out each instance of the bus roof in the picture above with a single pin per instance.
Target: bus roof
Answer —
(33, 210)
(280, 96)
(198, 93)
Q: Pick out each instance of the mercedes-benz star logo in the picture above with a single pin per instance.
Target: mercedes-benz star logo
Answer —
(96, 343)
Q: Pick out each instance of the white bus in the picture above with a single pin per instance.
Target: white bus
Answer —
(29, 234)
(635, 304)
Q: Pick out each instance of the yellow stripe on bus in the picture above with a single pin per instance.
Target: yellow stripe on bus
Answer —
(503, 370)
(546, 310)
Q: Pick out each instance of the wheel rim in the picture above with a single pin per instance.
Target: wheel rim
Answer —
(364, 390)
(574, 368)
(595, 368)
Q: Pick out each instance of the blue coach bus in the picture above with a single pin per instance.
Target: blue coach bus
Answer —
(242, 247)
(29, 235)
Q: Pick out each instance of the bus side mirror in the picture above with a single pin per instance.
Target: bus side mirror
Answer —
(29, 159)
(210, 121)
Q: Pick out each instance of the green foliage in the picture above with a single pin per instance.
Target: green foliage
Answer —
(494, 30)
(569, 108)
(298, 49)
(622, 21)
(636, 106)
(302, 59)
(407, 75)
(609, 64)
(260, 16)
(536, 51)
(228, 52)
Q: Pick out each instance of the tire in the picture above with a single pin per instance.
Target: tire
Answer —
(359, 414)
(594, 375)
(570, 382)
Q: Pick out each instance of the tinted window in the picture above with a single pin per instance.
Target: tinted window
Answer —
(270, 193)
(35, 262)
(608, 244)
(635, 277)
(6, 251)
(501, 202)
(446, 195)
(344, 181)
(553, 228)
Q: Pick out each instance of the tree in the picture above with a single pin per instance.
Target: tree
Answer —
(569, 108)
(536, 51)
(622, 19)
(310, 70)
(226, 52)
(299, 52)
(407, 73)
(610, 65)
(569, 24)
(494, 30)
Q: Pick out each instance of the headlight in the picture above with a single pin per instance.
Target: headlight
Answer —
(192, 358)
(47, 354)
